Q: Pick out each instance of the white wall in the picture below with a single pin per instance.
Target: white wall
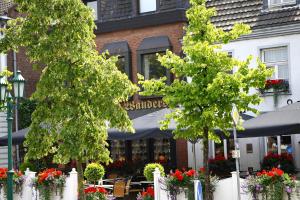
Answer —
(199, 157)
(3, 123)
(242, 49)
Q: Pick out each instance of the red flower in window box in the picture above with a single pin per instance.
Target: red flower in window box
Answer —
(278, 85)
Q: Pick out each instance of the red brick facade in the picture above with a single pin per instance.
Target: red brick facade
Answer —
(134, 38)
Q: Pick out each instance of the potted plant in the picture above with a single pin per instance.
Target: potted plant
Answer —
(94, 172)
(275, 86)
(285, 161)
(180, 184)
(18, 180)
(272, 185)
(95, 193)
(150, 168)
(148, 194)
(49, 181)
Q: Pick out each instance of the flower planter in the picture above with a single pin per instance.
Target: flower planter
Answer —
(182, 196)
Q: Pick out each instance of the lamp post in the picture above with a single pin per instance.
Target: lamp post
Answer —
(9, 102)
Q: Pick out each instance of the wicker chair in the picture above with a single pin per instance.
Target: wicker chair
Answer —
(119, 188)
(127, 189)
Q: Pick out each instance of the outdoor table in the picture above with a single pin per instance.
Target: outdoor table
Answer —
(146, 182)
(110, 187)
(108, 180)
(135, 183)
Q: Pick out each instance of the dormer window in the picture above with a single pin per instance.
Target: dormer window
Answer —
(94, 6)
(278, 3)
(147, 6)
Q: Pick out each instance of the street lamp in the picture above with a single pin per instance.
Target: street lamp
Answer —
(9, 102)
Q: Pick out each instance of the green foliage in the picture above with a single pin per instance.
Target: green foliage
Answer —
(25, 109)
(80, 92)
(150, 168)
(206, 102)
(94, 172)
(26, 165)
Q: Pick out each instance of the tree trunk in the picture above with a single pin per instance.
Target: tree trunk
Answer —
(207, 193)
(80, 180)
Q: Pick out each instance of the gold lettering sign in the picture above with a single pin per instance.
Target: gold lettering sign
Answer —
(148, 104)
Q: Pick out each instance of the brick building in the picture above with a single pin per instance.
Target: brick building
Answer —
(136, 31)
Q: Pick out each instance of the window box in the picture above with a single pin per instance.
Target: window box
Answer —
(277, 59)
(275, 86)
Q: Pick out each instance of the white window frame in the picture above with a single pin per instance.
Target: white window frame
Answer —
(282, 3)
(145, 6)
(275, 64)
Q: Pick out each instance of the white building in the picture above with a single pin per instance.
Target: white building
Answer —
(275, 39)
(4, 5)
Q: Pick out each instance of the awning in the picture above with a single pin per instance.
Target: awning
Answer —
(117, 48)
(154, 44)
(145, 123)
(283, 121)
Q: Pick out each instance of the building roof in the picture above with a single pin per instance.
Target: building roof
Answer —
(5, 5)
(252, 12)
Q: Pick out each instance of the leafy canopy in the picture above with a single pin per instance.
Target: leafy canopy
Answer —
(79, 92)
(206, 102)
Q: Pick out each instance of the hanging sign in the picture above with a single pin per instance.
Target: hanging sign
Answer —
(144, 104)
(235, 114)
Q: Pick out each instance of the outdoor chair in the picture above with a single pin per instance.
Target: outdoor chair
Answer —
(119, 188)
(127, 188)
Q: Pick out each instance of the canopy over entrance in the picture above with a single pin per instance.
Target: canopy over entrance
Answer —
(283, 121)
(145, 123)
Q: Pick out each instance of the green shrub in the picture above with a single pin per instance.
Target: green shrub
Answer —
(26, 165)
(94, 172)
(150, 168)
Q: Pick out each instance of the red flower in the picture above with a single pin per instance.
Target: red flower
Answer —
(278, 172)
(270, 174)
(178, 175)
(202, 169)
(42, 176)
(90, 190)
(191, 173)
(150, 191)
(94, 190)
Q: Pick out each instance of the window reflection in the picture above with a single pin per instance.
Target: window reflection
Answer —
(152, 68)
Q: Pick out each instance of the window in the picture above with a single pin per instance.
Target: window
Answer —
(122, 51)
(152, 68)
(121, 64)
(147, 6)
(277, 58)
(94, 6)
(272, 145)
(275, 3)
(286, 144)
(249, 148)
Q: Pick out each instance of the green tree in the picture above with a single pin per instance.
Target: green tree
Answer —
(79, 93)
(206, 102)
